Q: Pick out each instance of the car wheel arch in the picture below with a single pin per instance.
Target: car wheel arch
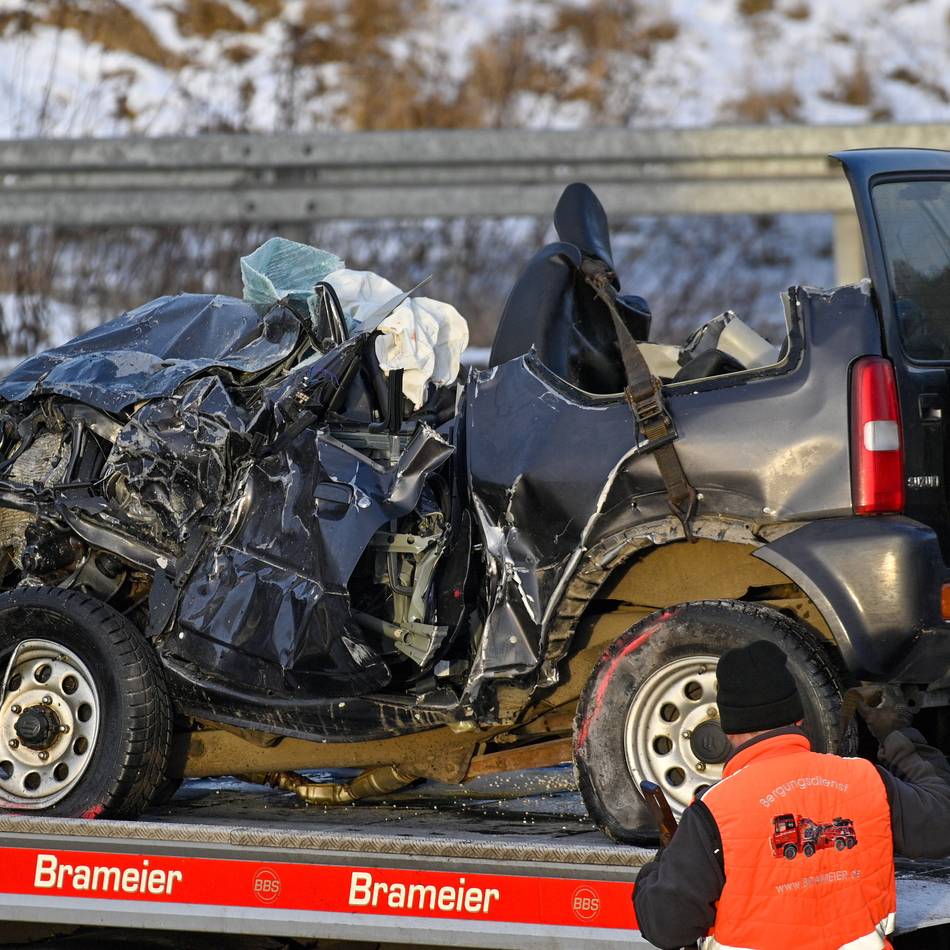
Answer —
(616, 584)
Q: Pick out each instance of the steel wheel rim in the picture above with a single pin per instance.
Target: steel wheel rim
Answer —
(688, 687)
(46, 676)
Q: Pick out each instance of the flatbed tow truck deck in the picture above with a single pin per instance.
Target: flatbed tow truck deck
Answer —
(512, 862)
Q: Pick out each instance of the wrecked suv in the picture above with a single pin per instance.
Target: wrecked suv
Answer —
(230, 544)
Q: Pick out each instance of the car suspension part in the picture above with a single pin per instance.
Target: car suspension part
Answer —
(372, 782)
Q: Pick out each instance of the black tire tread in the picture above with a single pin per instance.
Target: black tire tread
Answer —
(812, 652)
(816, 653)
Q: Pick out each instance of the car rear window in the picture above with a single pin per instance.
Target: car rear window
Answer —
(914, 220)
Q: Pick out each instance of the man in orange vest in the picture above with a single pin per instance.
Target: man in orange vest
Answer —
(794, 848)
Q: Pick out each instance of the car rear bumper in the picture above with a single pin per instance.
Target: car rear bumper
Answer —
(876, 581)
(927, 659)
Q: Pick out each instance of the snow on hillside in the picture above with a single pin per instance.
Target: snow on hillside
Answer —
(105, 67)
(156, 67)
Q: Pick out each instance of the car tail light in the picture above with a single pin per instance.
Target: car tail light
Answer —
(877, 449)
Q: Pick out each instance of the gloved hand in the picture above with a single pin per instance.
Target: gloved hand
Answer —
(888, 717)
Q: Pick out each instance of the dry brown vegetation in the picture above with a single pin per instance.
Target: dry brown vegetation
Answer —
(110, 24)
(382, 86)
(801, 11)
(755, 7)
(759, 107)
(855, 88)
(905, 75)
(207, 17)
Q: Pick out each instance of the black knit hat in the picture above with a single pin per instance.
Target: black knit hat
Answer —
(756, 691)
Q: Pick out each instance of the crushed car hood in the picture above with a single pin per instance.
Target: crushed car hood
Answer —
(153, 349)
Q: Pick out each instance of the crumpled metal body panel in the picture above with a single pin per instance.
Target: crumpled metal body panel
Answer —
(537, 460)
(267, 605)
(554, 471)
(151, 350)
(219, 476)
(173, 459)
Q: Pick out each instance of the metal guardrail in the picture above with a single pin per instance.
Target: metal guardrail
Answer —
(286, 178)
(283, 179)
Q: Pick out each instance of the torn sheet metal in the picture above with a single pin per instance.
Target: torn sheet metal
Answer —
(150, 351)
(267, 606)
(554, 471)
(733, 337)
(170, 464)
(539, 462)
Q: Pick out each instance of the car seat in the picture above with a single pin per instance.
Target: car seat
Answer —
(553, 309)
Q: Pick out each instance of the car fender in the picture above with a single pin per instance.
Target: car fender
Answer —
(876, 582)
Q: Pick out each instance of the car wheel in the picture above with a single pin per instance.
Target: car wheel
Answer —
(851, 843)
(840, 844)
(808, 850)
(166, 791)
(85, 718)
(790, 852)
(649, 708)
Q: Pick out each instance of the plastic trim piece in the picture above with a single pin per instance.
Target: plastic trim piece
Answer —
(876, 582)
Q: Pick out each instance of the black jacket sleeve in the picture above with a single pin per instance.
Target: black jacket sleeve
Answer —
(917, 779)
(675, 894)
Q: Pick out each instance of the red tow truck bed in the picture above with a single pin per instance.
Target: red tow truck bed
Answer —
(511, 863)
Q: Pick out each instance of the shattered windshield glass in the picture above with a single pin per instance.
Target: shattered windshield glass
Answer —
(914, 220)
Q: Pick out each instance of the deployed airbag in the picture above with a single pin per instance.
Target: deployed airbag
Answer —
(280, 268)
(423, 337)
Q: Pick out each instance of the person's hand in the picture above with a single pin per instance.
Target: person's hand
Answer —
(888, 717)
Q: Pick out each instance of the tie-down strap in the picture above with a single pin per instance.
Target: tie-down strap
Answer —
(644, 392)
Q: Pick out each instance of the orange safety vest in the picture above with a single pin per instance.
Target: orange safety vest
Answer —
(807, 849)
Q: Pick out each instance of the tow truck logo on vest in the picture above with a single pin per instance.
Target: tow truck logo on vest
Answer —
(793, 835)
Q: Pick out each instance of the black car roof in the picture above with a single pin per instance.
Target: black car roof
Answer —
(862, 164)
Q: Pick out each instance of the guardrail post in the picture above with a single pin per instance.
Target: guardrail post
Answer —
(848, 249)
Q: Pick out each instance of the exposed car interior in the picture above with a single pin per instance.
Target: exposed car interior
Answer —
(553, 309)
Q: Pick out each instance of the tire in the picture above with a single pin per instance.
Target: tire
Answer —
(625, 702)
(790, 851)
(808, 850)
(166, 791)
(840, 844)
(115, 758)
